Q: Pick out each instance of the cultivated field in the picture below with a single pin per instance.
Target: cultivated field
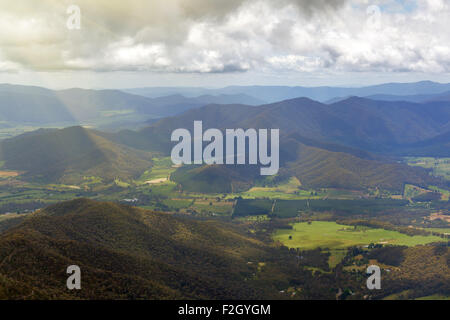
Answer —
(331, 235)
(440, 166)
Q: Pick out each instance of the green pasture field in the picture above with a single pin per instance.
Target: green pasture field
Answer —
(440, 166)
(166, 189)
(434, 297)
(213, 206)
(121, 183)
(291, 190)
(34, 194)
(162, 168)
(336, 256)
(331, 235)
(177, 203)
(445, 193)
(411, 191)
(92, 180)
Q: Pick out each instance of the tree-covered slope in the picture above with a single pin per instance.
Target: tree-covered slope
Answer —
(129, 253)
(67, 155)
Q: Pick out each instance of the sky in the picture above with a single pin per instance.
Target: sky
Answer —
(215, 43)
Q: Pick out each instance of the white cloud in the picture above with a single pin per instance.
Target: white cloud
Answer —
(203, 36)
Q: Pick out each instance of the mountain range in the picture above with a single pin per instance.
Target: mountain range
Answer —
(29, 104)
(346, 144)
(355, 122)
(277, 93)
(418, 98)
(353, 143)
(26, 104)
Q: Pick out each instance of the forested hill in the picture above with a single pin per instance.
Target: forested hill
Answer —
(127, 253)
(68, 155)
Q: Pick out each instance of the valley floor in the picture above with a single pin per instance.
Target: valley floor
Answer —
(328, 236)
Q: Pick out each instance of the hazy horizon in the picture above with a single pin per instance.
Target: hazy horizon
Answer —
(218, 86)
(345, 43)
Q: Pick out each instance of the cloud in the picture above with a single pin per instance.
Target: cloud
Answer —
(227, 36)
